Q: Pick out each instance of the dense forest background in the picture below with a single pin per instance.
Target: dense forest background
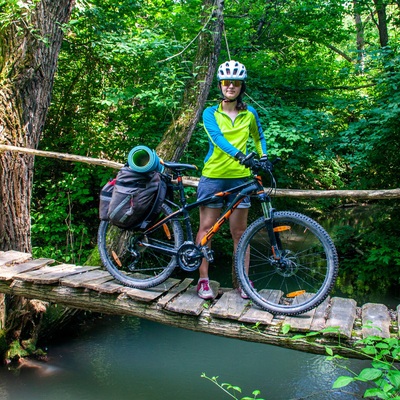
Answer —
(323, 75)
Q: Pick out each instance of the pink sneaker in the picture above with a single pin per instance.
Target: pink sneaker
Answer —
(203, 289)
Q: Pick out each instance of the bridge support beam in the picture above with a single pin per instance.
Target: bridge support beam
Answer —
(121, 304)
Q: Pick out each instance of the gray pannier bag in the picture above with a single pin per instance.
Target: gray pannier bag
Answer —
(105, 198)
(136, 198)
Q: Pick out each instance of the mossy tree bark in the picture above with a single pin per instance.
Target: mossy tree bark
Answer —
(30, 41)
(178, 135)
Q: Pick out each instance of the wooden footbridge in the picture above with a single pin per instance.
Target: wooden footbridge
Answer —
(176, 303)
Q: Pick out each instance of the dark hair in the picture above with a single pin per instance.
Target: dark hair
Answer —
(240, 105)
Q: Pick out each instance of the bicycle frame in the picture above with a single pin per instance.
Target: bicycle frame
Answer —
(253, 187)
(283, 253)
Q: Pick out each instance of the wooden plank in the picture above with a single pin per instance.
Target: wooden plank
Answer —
(230, 306)
(342, 315)
(8, 272)
(96, 275)
(302, 322)
(319, 320)
(175, 291)
(12, 256)
(30, 275)
(101, 286)
(150, 294)
(377, 317)
(255, 314)
(189, 302)
(49, 275)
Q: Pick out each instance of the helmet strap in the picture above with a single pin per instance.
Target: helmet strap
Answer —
(229, 101)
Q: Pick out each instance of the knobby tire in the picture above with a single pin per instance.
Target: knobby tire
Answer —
(304, 276)
(125, 255)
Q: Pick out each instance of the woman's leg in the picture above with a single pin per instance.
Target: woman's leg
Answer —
(208, 217)
(238, 224)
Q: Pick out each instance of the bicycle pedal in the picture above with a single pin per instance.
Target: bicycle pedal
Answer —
(208, 253)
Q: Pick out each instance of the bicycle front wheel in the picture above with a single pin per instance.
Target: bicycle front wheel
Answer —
(304, 274)
(137, 259)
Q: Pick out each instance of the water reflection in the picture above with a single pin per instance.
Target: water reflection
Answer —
(128, 358)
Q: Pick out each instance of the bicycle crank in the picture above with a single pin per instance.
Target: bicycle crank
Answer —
(189, 256)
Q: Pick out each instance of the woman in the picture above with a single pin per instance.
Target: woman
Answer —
(228, 125)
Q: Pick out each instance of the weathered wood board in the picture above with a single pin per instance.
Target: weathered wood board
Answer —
(301, 323)
(8, 272)
(257, 315)
(175, 291)
(12, 256)
(49, 275)
(375, 320)
(342, 315)
(320, 315)
(80, 280)
(150, 294)
(189, 302)
(230, 306)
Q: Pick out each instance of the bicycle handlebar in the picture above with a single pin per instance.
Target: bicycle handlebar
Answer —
(255, 167)
(261, 164)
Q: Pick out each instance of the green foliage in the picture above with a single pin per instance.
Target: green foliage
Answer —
(383, 376)
(369, 252)
(63, 212)
(13, 11)
(3, 343)
(16, 351)
(232, 391)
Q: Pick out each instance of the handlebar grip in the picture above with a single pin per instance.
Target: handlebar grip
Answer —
(277, 159)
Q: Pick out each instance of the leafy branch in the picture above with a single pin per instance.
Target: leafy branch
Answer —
(384, 353)
(230, 390)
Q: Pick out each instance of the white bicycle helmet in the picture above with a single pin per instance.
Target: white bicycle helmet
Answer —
(232, 70)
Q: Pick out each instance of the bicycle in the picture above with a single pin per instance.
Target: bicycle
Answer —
(285, 261)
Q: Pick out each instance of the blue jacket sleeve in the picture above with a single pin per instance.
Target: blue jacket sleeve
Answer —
(258, 136)
(214, 132)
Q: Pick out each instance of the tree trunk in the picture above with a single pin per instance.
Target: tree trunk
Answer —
(382, 22)
(180, 131)
(360, 36)
(30, 45)
(30, 48)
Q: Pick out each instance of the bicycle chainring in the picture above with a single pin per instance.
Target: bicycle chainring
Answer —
(189, 256)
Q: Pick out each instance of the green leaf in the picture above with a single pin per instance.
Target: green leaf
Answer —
(297, 337)
(285, 329)
(369, 374)
(374, 392)
(394, 378)
(329, 351)
(342, 381)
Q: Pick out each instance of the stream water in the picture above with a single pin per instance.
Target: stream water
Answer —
(133, 359)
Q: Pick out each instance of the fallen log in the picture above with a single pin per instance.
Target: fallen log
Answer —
(378, 194)
(121, 304)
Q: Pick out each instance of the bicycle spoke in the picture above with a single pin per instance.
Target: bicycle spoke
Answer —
(137, 259)
(304, 271)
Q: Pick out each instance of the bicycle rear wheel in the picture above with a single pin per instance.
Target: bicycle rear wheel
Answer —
(140, 260)
(304, 275)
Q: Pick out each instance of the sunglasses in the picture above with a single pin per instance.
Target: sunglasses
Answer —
(226, 82)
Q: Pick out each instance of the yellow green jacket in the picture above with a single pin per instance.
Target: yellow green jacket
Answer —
(227, 138)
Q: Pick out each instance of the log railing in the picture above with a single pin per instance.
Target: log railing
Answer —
(190, 181)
